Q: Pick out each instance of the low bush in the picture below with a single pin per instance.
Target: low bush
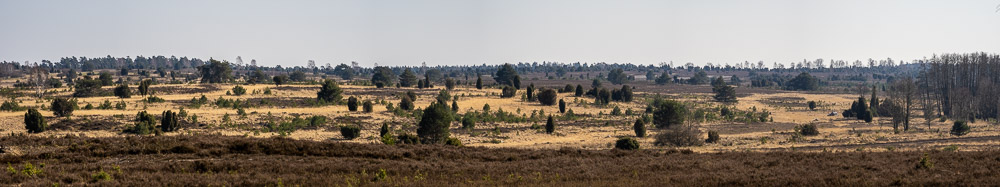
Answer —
(808, 130)
(679, 135)
(453, 142)
(34, 121)
(960, 128)
(408, 139)
(350, 132)
(626, 144)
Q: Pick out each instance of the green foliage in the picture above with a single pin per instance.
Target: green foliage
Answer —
(699, 78)
(105, 78)
(453, 142)
(812, 105)
(316, 121)
(87, 87)
(925, 162)
(408, 139)
(63, 107)
(169, 123)
(449, 83)
(723, 92)
(154, 99)
(368, 106)
(384, 130)
(330, 92)
(469, 121)
(406, 104)
(239, 90)
(215, 72)
(960, 128)
(550, 125)
(627, 144)
(123, 91)
(350, 131)
(388, 139)
(508, 92)
(144, 124)
(34, 121)
(383, 76)
(640, 128)
(479, 82)
(617, 76)
(434, 123)
(668, 113)
(144, 87)
(547, 97)
(803, 81)
(407, 78)
(279, 80)
(562, 106)
(297, 76)
(579, 90)
(352, 104)
(11, 105)
(507, 75)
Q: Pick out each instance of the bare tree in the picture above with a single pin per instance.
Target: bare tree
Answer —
(903, 91)
(38, 77)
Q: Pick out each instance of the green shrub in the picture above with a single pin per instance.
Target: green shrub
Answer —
(388, 139)
(34, 121)
(352, 104)
(550, 125)
(144, 124)
(368, 107)
(434, 123)
(508, 92)
(547, 97)
(468, 121)
(408, 139)
(384, 130)
(316, 121)
(169, 122)
(239, 90)
(11, 105)
(350, 132)
(812, 105)
(808, 130)
(63, 107)
(640, 128)
(713, 137)
(453, 142)
(626, 144)
(960, 128)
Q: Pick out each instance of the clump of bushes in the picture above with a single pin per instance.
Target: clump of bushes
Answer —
(626, 144)
(350, 132)
(239, 90)
(508, 92)
(11, 105)
(144, 124)
(408, 139)
(169, 122)
(808, 130)
(960, 128)
(547, 97)
(368, 107)
(63, 107)
(679, 135)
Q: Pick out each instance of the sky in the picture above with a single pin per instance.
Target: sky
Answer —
(468, 32)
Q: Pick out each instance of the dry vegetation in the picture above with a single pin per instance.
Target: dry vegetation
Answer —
(240, 146)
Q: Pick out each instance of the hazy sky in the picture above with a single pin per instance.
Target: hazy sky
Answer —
(407, 32)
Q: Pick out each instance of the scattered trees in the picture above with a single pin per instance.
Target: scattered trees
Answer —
(279, 80)
(344, 71)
